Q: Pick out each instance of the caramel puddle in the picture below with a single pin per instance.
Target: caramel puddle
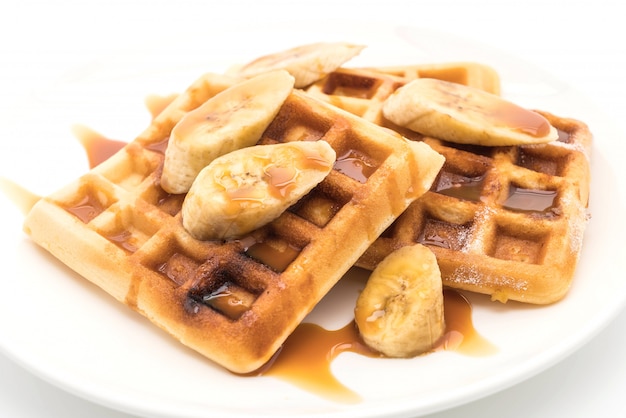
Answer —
(306, 357)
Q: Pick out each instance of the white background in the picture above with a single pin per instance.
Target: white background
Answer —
(579, 42)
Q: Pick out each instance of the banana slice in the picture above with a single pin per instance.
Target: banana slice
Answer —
(248, 188)
(307, 63)
(232, 119)
(465, 115)
(400, 311)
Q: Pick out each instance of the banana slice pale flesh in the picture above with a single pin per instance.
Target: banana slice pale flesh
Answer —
(234, 118)
(462, 114)
(400, 312)
(248, 188)
(307, 63)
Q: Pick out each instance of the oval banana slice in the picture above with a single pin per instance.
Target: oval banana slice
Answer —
(400, 311)
(462, 114)
(232, 119)
(248, 188)
(307, 63)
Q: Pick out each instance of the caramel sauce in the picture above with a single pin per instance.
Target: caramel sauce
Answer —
(98, 147)
(86, 209)
(460, 187)
(355, 165)
(519, 119)
(435, 239)
(123, 240)
(281, 180)
(564, 136)
(460, 335)
(443, 238)
(230, 300)
(530, 200)
(278, 259)
(178, 268)
(306, 357)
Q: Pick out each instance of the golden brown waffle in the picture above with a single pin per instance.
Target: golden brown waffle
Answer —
(503, 221)
(235, 301)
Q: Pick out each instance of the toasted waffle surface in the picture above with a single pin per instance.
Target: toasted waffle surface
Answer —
(233, 301)
(467, 73)
(503, 221)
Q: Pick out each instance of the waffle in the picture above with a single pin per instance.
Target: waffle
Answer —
(233, 301)
(502, 221)
(472, 74)
(362, 91)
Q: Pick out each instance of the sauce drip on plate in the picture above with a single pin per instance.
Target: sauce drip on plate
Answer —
(306, 357)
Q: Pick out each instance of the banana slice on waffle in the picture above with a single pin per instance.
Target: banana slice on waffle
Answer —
(248, 188)
(466, 115)
(400, 311)
(307, 63)
(232, 119)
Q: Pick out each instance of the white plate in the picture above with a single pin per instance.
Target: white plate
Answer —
(74, 335)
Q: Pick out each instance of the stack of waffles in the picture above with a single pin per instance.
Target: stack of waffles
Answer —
(504, 221)
(235, 301)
